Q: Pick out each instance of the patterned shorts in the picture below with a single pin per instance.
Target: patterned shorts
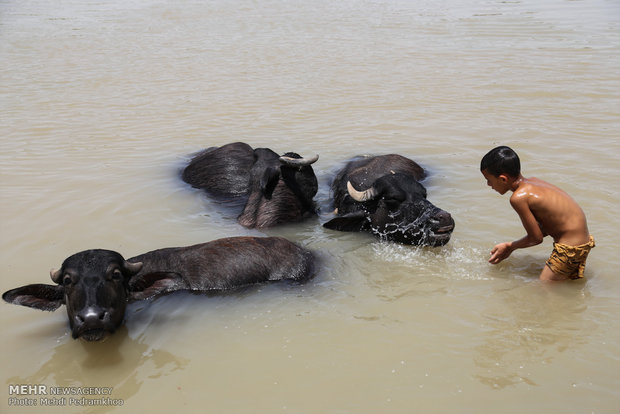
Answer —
(570, 261)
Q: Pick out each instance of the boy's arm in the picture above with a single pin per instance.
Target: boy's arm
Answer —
(534, 233)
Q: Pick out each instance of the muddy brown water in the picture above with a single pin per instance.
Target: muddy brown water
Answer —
(102, 102)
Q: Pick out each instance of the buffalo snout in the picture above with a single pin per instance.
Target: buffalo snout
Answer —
(91, 316)
(92, 324)
(441, 227)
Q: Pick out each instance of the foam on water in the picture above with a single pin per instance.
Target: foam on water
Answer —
(453, 261)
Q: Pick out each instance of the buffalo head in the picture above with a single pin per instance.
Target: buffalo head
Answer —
(93, 285)
(382, 195)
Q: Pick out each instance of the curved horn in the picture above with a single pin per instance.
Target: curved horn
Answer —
(133, 268)
(361, 196)
(298, 162)
(56, 275)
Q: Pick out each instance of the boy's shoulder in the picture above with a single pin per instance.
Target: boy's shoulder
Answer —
(527, 188)
(533, 186)
(537, 192)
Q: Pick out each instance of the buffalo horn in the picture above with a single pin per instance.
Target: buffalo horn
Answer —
(361, 196)
(133, 268)
(298, 162)
(56, 275)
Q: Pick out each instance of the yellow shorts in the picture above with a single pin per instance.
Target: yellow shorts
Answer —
(570, 261)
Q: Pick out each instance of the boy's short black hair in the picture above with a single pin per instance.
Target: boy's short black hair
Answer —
(501, 160)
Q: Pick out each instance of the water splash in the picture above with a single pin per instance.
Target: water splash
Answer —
(454, 261)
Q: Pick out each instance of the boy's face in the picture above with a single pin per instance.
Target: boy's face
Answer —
(500, 184)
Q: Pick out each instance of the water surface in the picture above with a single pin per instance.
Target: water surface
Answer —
(103, 102)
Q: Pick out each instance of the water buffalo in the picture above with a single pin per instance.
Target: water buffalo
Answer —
(96, 285)
(382, 195)
(278, 189)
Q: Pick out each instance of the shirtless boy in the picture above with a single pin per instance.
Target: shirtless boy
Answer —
(544, 210)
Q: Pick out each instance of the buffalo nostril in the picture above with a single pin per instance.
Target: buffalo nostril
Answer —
(91, 315)
(443, 217)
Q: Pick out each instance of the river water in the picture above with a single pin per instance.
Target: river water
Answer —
(103, 102)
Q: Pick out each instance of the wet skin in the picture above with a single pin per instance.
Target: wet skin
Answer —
(544, 209)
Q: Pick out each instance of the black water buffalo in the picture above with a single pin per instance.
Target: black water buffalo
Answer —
(96, 285)
(279, 189)
(382, 195)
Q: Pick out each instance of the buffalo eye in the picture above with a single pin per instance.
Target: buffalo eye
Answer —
(116, 274)
(66, 280)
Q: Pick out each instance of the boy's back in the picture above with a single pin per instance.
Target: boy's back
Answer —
(557, 213)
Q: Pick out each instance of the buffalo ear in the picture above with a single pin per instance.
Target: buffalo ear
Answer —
(38, 296)
(269, 181)
(149, 285)
(348, 222)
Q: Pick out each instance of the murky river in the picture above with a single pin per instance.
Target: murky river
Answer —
(101, 104)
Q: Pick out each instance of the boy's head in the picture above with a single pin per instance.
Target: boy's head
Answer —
(501, 161)
(501, 168)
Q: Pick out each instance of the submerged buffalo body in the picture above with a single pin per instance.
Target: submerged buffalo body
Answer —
(278, 189)
(96, 285)
(383, 195)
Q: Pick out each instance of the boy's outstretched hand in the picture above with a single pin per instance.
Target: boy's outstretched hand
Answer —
(500, 252)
